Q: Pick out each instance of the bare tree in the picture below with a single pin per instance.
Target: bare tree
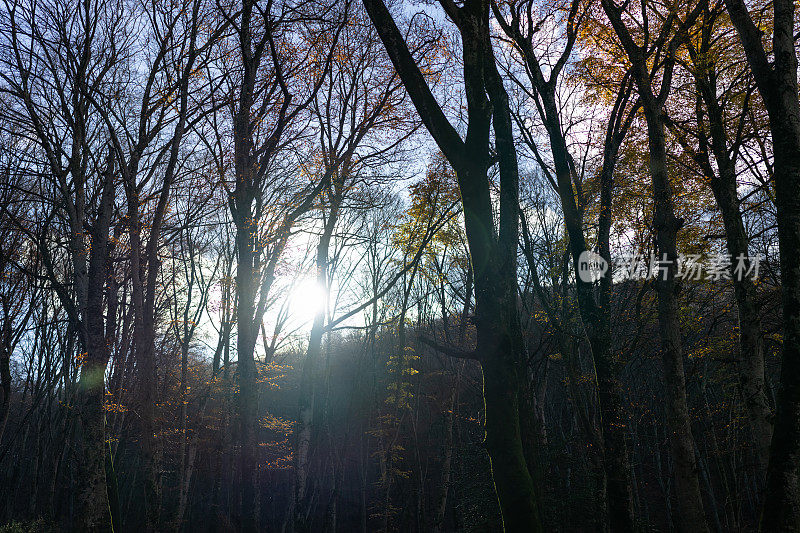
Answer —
(359, 105)
(518, 23)
(493, 254)
(56, 58)
(270, 94)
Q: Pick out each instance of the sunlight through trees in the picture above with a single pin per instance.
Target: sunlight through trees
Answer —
(357, 265)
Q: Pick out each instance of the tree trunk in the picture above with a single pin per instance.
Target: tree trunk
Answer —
(503, 442)
(307, 400)
(144, 349)
(5, 378)
(782, 494)
(247, 275)
(751, 344)
(94, 513)
(186, 462)
(777, 84)
(687, 484)
(92, 498)
(493, 255)
(441, 501)
(248, 394)
(596, 316)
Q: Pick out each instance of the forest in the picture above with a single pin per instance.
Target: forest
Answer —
(379, 265)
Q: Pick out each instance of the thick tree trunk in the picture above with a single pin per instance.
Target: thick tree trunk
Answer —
(782, 495)
(248, 394)
(247, 275)
(93, 502)
(92, 496)
(666, 224)
(501, 348)
(777, 84)
(503, 441)
(493, 253)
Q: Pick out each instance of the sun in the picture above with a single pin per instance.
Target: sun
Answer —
(307, 298)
